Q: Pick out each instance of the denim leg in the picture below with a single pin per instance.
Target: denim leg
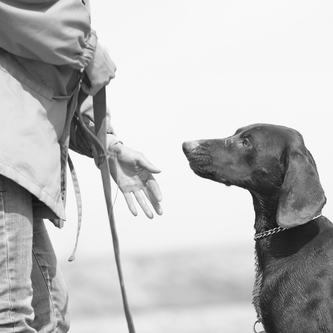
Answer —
(33, 297)
(50, 299)
(16, 233)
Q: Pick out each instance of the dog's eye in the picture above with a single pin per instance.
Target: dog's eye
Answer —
(246, 143)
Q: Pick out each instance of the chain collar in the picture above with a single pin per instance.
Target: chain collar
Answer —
(273, 231)
(268, 233)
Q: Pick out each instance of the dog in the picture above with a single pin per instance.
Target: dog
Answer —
(293, 291)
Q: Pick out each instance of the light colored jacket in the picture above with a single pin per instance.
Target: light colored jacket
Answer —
(44, 46)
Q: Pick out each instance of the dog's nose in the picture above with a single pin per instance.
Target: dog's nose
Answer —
(189, 146)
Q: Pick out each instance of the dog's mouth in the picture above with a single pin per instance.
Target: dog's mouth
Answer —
(210, 174)
(201, 163)
(199, 160)
(196, 155)
(202, 168)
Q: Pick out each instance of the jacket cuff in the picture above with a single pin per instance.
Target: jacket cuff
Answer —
(112, 140)
(88, 52)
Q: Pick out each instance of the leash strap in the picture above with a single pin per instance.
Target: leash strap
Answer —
(101, 160)
(78, 205)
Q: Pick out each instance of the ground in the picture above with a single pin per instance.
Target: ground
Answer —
(192, 291)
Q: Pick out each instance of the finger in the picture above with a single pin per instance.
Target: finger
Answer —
(143, 204)
(130, 203)
(153, 200)
(154, 188)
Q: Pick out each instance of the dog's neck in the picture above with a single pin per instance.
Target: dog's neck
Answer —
(276, 241)
(265, 208)
(277, 246)
(265, 219)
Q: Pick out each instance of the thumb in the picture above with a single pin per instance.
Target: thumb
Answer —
(144, 163)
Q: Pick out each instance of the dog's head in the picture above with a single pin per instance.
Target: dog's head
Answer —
(265, 159)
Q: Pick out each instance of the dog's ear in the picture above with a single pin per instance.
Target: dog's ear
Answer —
(302, 196)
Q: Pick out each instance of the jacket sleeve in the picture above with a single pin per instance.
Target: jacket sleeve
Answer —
(56, 32)
(79, 141)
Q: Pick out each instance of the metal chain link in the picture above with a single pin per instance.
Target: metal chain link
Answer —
(275, 230)
(268, 233)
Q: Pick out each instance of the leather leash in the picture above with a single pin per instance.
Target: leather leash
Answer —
(101, 160)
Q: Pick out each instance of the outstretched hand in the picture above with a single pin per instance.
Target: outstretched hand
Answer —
(133, 174)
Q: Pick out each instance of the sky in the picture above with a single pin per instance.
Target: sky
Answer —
(190, 70)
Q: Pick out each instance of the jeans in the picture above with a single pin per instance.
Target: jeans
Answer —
(33, 296)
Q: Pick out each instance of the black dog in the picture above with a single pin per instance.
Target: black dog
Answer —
(293, 292)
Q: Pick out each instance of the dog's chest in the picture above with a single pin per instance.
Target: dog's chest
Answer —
(257, 288)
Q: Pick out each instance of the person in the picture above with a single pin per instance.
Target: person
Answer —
(45, 49)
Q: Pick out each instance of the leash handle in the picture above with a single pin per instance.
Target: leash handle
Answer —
(99, 143)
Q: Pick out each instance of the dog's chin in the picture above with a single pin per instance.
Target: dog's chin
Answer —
(225, 182)
(206, 173)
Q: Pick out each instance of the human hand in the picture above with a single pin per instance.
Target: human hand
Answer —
(133, 174)
(99, 72)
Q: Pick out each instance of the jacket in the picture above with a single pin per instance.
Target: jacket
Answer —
(43, 50)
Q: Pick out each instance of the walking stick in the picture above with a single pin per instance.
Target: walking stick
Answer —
(99, 143)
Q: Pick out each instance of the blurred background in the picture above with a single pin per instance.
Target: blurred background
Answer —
(190, 69)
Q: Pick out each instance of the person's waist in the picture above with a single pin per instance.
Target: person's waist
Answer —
(48, 80)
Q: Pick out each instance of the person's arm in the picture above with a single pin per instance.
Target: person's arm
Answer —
(55, 32)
